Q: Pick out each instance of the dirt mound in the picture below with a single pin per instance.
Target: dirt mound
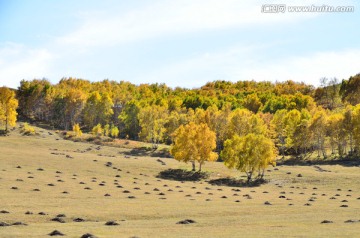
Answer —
(186, 221)
(58, 219)
(79, 219)
(111, 223)
(4, 224)
(88, 235)
(56, 233)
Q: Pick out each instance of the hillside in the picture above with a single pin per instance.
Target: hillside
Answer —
(47, 174)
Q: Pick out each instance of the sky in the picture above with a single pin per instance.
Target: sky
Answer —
(182, 43)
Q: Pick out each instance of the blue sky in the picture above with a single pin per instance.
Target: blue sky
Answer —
(182, 43)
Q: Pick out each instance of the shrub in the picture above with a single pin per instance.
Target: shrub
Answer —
(27, 129)
(97, 130)
(107, 130)
(114, 131)
(77, 131)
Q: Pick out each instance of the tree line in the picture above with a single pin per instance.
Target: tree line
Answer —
(298, 118)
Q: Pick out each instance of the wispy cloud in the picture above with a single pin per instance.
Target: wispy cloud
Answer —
(19, 62)
(309, 68)
(244, 64)
(97, 45)
(171, 18)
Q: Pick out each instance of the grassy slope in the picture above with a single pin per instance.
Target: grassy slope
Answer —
(149, 216)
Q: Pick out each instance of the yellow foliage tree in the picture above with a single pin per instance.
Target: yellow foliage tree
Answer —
(249, 154)
(97, 130)
(8, 105)
(318, 128)
(349, 127)
(278, 127)
(243, 122)
(336, 132)
(252, 103)
(152, 120)
(356, 126)
(114, 131)
(194, 143)
(106, 130)
(77, 131)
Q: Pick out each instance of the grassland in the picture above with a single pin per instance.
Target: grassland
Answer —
(45, 173)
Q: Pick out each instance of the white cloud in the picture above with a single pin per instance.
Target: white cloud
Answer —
(76, 53)
(172, 17)
(308, 69)
(19, 62)
(242, 63)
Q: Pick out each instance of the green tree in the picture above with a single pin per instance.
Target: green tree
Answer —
(98, 109)
(90, 112)
(252, 103)
(152, 120)
(129, 117)
(302, 135)
(278, 126)
(350, 90)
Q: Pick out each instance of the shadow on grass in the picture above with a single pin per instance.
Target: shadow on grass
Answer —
(347, 161)
(232, 182)
(142, 151)
(182, 175)
(163, 153)
(146, 151)
(4, 133)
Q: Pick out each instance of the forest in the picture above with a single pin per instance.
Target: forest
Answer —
(299, 119)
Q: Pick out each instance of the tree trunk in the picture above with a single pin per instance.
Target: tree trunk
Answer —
(248, 175)
(6, 124)
(262, 173)
(193, 165)
(200, 164)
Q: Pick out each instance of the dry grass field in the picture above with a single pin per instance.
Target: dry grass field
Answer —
(52, 184)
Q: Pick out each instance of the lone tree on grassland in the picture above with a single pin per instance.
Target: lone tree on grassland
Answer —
(249, 154)
(8, 105)
(194, 143)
